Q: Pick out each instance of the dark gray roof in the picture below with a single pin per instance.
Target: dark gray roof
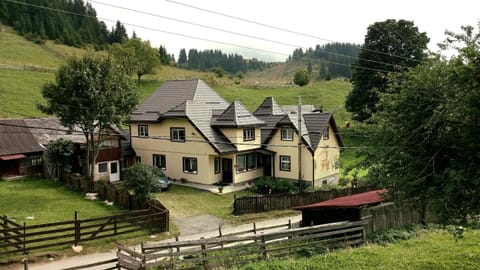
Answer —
(313, 121)
(236, 115)
(171, 94)
(269, 107)
(197, 102)
(16, 138)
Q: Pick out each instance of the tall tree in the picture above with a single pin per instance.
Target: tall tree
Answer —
(425, 139)
(182, 57)
(390, 46)
(91, 93)
(136, 56)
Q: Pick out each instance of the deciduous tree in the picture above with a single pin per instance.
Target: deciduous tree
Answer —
(301, 77)
(91, 93)
(136, 56)
(425, 138)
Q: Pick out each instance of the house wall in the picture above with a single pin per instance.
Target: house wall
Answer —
(241, 177)
(195, 146)
(289, 148)
(235, 135)
(326, 160)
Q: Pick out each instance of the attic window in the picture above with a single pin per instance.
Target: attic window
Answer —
(286, 134)
(326, 133)
(248, 134)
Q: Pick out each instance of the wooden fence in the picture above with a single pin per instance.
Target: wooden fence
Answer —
(265, 203)
(18, 238)
(27, 68)
(233, 251)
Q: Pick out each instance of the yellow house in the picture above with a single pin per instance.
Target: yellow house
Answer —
(186, 129)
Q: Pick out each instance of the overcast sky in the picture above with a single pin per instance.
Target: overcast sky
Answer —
(334, 20)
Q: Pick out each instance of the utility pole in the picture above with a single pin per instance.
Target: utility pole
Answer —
(300, 142)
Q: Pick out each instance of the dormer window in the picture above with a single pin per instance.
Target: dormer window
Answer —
(177, 134)
(248, 134)
(142, 131)
(326, 133)
(286, 134)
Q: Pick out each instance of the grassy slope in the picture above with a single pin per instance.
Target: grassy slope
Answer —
(432, 250)
(20, 90)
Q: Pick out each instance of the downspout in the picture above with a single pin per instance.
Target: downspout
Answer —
(313, 168)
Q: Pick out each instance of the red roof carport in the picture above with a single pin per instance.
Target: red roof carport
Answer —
(345, 208)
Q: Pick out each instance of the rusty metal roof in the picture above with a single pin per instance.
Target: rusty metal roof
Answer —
(16, 138)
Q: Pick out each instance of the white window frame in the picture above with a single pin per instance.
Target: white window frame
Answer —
(286, 134)
(142, 130)
(190, 165)
(216, 165)
(285, 161)
(175, 135)
(248, 134)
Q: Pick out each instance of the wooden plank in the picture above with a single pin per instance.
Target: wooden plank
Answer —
(92, 264)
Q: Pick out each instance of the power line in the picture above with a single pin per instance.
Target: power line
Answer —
(281, 29)
(164, 138)
(240, 34)
(194, 37)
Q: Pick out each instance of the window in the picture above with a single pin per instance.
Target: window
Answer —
(326, 133)
(177, 134)
(248, 134)
(142, 131)
(216, 164)
(138, 159)
(189, 165)
(159, 161)
(31, 161)
(103, 167)
(246, 162)
(287, 134)
(285, 163)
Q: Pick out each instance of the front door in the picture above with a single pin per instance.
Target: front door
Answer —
(114, 171)
(227, 172)
(267, 165)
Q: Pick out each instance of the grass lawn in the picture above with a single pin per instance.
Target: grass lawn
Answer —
(186, 202)
(433, 249)
(47, 201)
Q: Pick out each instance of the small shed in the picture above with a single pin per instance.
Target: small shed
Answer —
(347, 208)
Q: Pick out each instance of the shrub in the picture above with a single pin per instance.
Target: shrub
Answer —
(143, 179)
(383, 237)
(271, 186)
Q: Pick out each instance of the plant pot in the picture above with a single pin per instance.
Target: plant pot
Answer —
(220, 190)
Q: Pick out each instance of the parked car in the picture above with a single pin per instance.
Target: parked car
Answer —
(164, 181)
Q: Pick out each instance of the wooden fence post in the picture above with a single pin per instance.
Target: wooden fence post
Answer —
(115, 225)
(24, 238)
(254, 228)
(76, 229)
(204, 255)
(176, 240)
(25, 263)
(220, 233)
(264, 248)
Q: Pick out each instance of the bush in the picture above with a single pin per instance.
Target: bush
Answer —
(383, 237)
(301, 77)
(143, 179)
(270, 186)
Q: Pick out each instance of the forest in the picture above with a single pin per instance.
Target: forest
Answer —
(38, 20)
(332, 60)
